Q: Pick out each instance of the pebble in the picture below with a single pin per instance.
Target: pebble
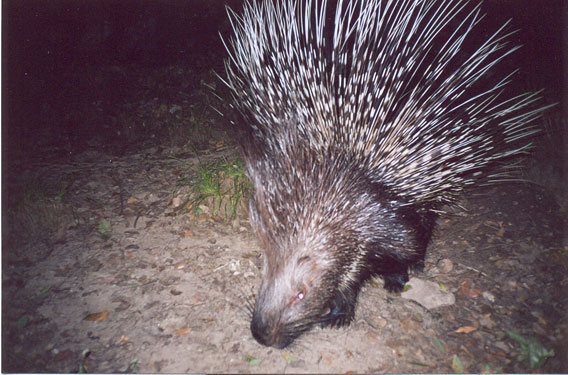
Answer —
(488, 296)
(487, 322)
(176, 202)
(503, 346)
(445, 265)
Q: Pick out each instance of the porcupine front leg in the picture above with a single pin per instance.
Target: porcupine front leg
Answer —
(421, 222)
(341, 310)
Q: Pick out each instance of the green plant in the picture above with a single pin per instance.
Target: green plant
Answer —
(457, 365)
(489, 369)
(105, 229)
(222, 185)
(531, 350)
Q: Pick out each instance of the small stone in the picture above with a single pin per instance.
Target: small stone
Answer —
(503, 346)
(176, 202)
(488, 296)
(377, 322)
(445, 265)
(487, 322)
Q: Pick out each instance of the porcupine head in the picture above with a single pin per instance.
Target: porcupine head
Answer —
(355, 129)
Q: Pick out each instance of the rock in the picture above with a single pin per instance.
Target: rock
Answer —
(488, 296)
(176, 202)
(502, 346)
(445, 265)
(487, 322)
(428, 294)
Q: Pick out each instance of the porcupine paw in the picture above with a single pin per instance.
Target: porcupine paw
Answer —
(418, 266)
(341, 313)
(394, 282)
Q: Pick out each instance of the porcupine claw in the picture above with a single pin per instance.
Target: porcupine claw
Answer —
(342, 312)
(394, 282)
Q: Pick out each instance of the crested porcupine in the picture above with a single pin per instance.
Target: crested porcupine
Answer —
(359, 122)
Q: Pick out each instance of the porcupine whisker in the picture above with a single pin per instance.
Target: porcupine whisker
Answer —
(246, 294)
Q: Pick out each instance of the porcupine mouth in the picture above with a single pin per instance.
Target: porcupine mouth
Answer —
(272, 339)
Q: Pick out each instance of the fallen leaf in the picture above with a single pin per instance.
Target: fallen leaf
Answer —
(251, 360)
(97, 317)
(122, 339)
(183, 331)
(181, 265)
(187, 233)
(474, 293)
(466, 329)
(289, 357)
(467, 290)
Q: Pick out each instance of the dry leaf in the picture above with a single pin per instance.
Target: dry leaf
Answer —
(181, 265)
(466, 329)
(183, 331)
(467, 290)
(97, 317)
(474, 293)
(122, 339)
(501, 232)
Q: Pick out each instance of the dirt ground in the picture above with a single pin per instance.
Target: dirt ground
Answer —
(158, 289)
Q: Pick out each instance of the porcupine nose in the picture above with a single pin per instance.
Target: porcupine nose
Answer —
(261, 330)
(265, 333)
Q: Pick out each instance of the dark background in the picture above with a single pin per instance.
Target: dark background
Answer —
(60, 57)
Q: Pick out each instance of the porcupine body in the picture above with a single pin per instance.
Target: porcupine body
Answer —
(356, 128)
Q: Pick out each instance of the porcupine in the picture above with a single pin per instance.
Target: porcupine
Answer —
(355, 132)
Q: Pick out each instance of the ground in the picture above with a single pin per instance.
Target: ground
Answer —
(130, 282)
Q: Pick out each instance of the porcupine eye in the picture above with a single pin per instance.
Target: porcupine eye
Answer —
(298, 297)
(301, 292)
